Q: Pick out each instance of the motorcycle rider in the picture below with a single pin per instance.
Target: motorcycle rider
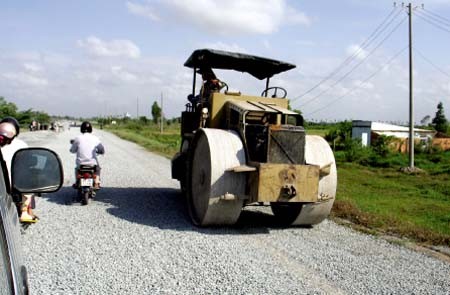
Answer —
(9, 143)
(87, 146)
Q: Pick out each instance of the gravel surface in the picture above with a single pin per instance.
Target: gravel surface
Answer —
(135, 238)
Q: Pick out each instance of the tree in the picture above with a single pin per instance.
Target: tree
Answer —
(425, 120)
(143, 120)
(42, 117)
(156, 112)
(340, 132)
(439, 121)
(7, 109)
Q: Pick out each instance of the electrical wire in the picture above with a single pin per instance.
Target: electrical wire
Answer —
(358, 64)
(431, 17)
(361, 83)
(431, 22)
(350, 58)
(431, 63)
(443, 19)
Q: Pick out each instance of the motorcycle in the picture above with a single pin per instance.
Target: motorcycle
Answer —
(85, 183)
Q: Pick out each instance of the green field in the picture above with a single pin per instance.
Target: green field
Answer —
(150, 137)
(381, 200)
(385, 199)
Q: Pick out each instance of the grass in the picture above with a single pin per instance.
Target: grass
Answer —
(382, 200)
(412, 206)
(150, 137)
(320, 132)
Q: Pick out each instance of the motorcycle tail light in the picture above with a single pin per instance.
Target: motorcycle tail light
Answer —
(87, 175)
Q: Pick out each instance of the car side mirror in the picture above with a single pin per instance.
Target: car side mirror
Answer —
(36, 170)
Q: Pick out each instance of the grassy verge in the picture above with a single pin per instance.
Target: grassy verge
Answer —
(320, 132)
(379, 199)
(150, 137)
(389, 201)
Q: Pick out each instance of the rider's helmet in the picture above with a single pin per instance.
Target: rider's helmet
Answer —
(86, 127)
(14, 122)
(9, 128)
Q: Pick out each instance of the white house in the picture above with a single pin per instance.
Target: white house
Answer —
(368, 130)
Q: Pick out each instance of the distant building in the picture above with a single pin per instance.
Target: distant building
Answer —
(368, 131)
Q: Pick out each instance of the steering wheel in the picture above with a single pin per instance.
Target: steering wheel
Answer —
(275, 90)
(223, 85)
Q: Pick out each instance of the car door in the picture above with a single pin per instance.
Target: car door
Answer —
(13, 274)
(33, 170)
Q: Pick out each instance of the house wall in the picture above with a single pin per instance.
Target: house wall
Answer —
(362, 133)
(361, 130)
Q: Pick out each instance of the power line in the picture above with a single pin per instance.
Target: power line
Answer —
(363, 45)
(436, 19)
(437, 16)
(431, 63)
(431, 22)
(362, 82)
(358, 64)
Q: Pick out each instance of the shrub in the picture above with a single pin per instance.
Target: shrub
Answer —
(354, 151)
(339, 134)
(381, 145)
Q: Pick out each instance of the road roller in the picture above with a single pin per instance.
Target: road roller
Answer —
(241, 150)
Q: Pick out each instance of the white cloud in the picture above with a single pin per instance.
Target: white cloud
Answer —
(297, 17)
(230, 17)
(227, 47)
(114, 48)
(26, 79)
(32, 67)
(122, 74)
(357, 51)
(363, 85)
(143, 10)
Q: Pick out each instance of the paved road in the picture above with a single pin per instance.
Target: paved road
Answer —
(135, 238)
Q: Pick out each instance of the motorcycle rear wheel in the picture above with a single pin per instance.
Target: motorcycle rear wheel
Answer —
(85, 198)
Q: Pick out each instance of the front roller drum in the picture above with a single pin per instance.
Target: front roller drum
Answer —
(215, 195)
(317, 152)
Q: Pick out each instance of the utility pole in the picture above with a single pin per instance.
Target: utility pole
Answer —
(137, 108)
(162, 114)
(411, 98)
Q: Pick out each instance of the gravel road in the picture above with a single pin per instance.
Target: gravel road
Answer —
(135, 238)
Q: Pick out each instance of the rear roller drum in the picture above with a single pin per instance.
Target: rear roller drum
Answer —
(215, 194)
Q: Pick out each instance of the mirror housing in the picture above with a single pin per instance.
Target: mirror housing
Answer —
(36, 170)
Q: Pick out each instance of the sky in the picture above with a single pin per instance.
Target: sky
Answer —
(103, 58)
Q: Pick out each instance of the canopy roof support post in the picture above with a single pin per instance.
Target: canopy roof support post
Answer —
(193, 83)
(267, 84)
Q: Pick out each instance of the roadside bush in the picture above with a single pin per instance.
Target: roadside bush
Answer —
(380, 145)
(339, 134)
(355, 152)
(378, 155)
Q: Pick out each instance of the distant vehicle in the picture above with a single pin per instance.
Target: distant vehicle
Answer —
(240, 150)
(34, 170)
(34, 125)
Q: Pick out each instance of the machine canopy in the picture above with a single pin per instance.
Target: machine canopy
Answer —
(259, 67)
